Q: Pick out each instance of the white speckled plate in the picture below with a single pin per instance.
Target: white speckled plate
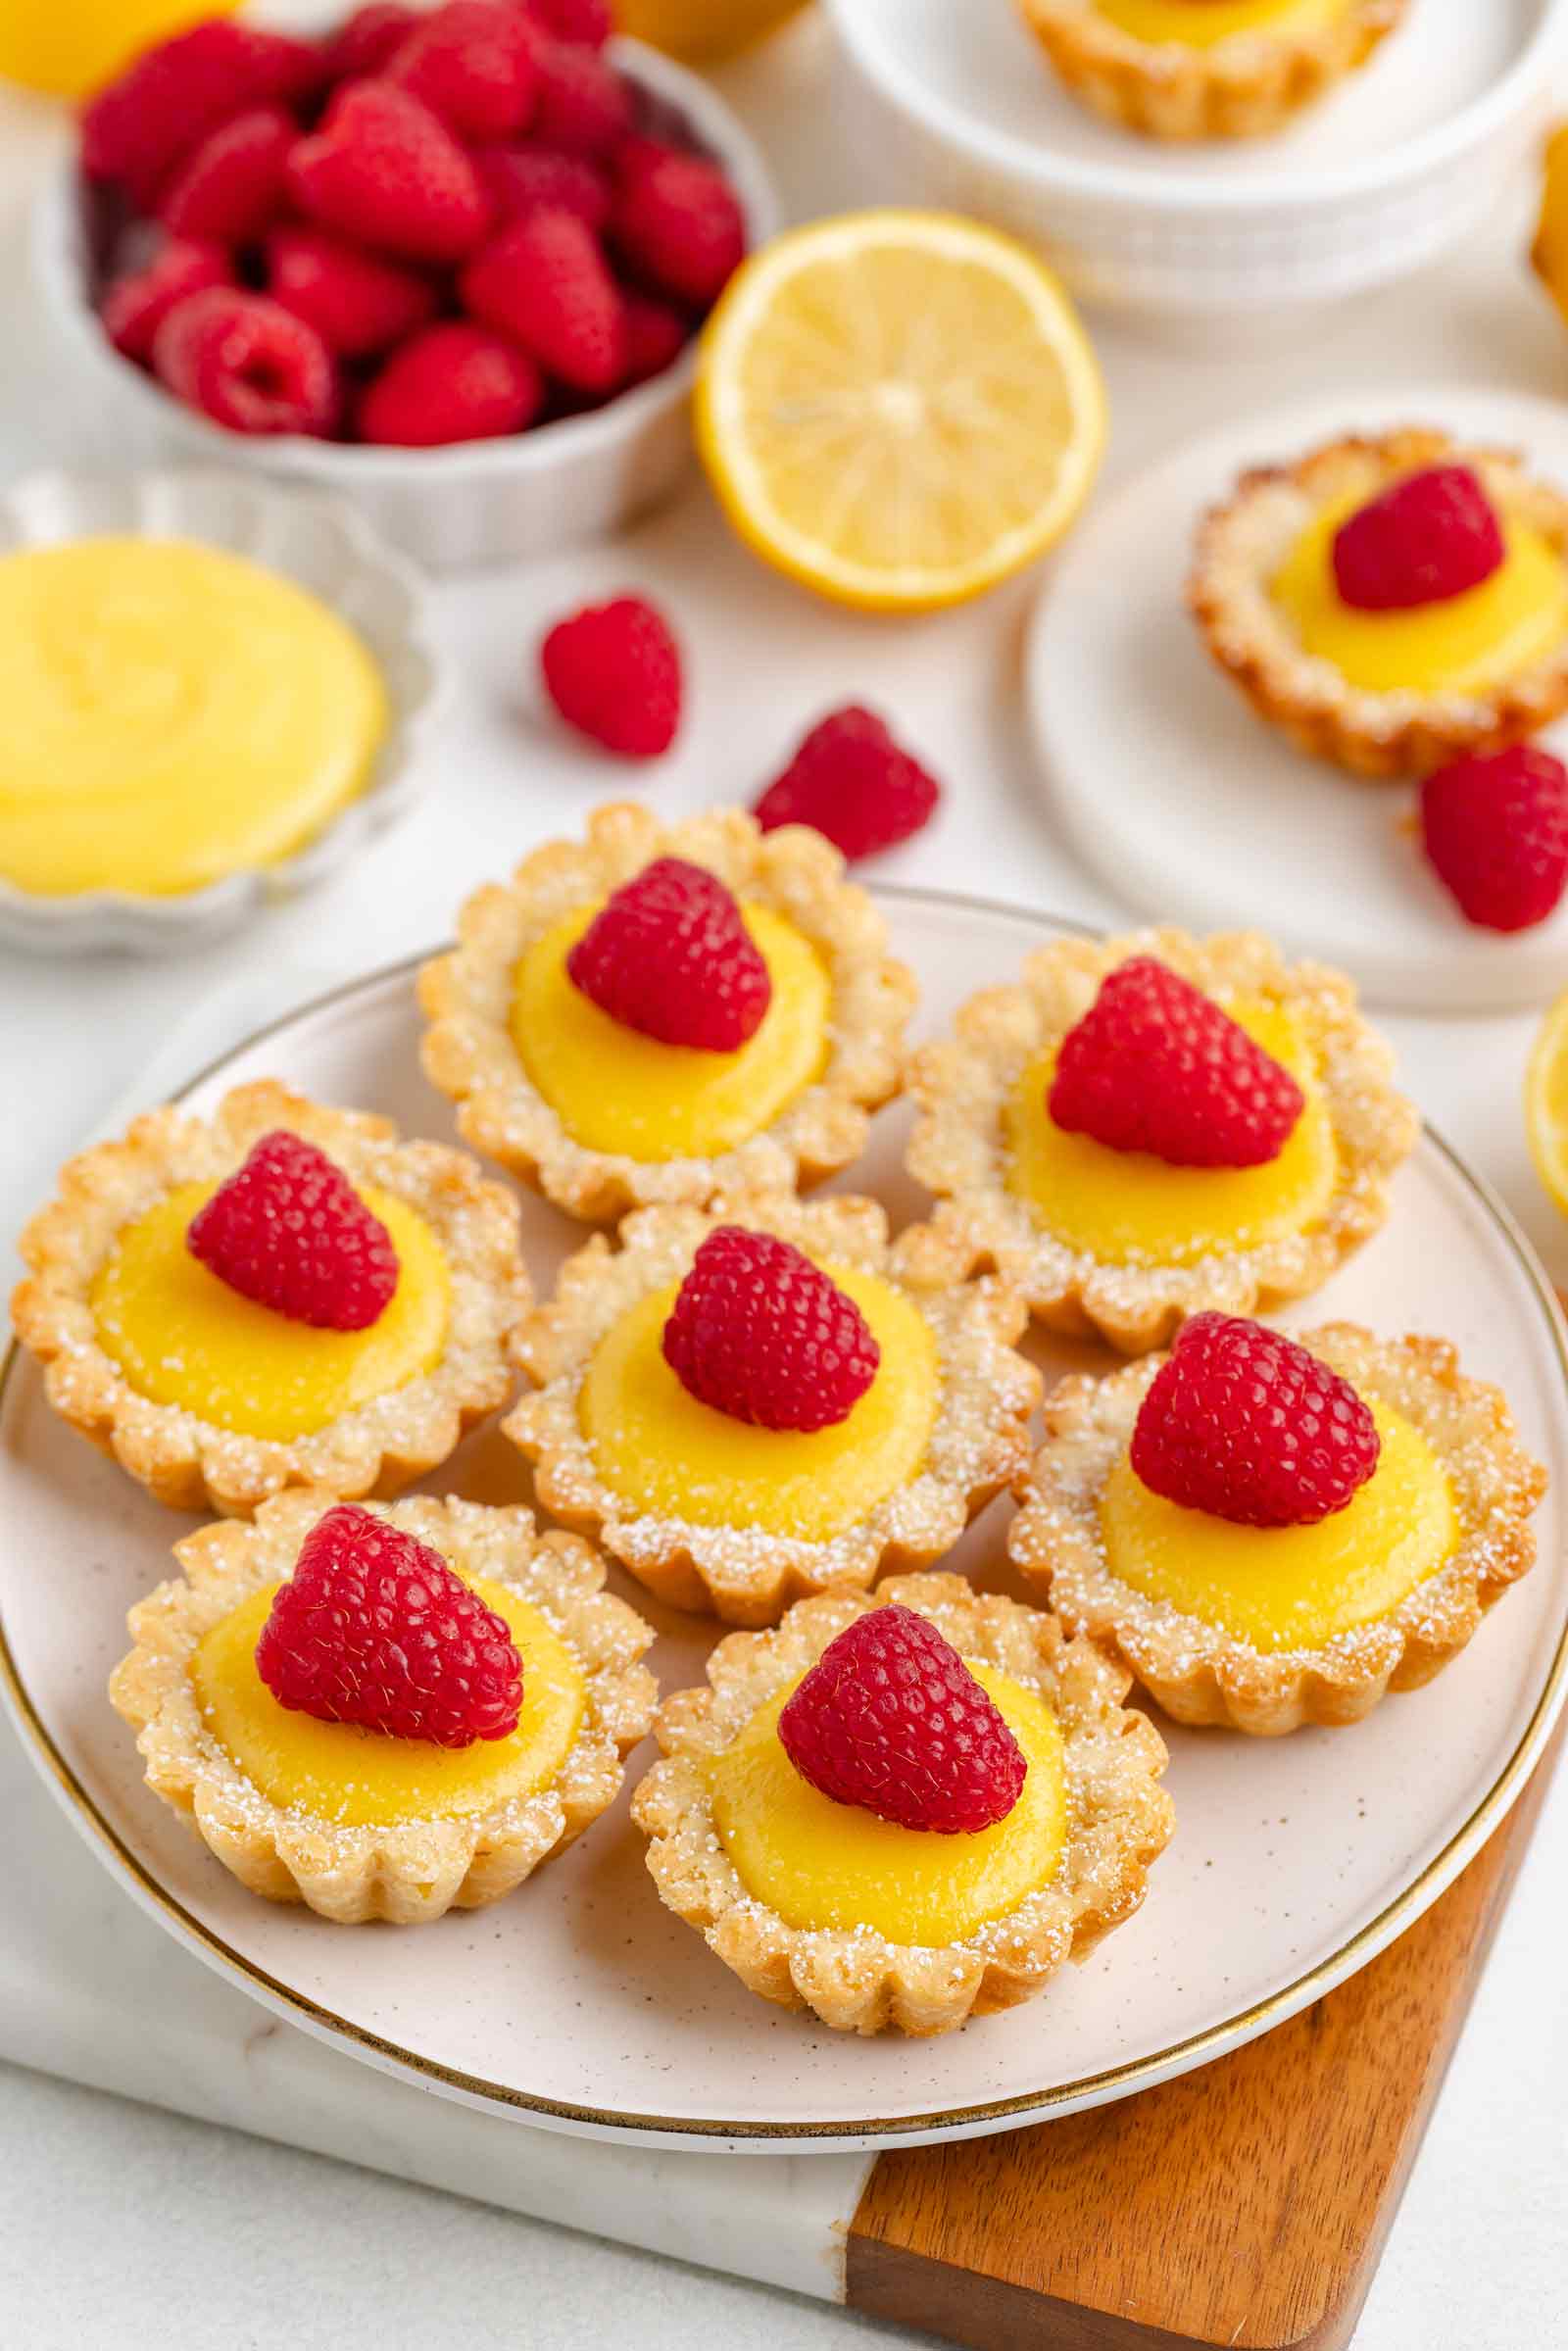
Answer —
(579, 2002)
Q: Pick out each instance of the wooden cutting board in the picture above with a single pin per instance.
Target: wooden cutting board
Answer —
(1245, 2205)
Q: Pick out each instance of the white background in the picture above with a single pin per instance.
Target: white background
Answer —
(191, 2237)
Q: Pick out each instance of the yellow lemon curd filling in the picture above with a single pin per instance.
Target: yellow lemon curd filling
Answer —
(833, 1866)
(354, 1778)
(169, 714)
(1290, 1587)
(182, 1337)
(1130, 1208)
(669, 1455)
(1461, 645)
(1201, 23)
(615, 1090)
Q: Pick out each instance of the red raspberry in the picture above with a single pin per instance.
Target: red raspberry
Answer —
(356, 303)
(231, 189)
(248, 364)
(1428, 537)
(584, 107)
(680, 222)
(892, 1720)
(150, 116)
(475, 64)
(612, 672)
(669, 955)
(544, 283)
(366, 41)
(850, 780)
(656, 337)
(373, 1628)
(762, 1334)
(290, 1231)
(1497, 831)
(1155, 1065)
(137, 306)
(454, 382)
(531, 179)
(588, 22)
(382, 170)
(1243, 1423)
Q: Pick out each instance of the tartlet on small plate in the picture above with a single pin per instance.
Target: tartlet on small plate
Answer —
(449, 1360)
(856, 1980)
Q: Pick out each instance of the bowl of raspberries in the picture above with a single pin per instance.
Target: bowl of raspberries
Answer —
(447, 261)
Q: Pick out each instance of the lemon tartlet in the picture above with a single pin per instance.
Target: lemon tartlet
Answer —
(1117, 1243)
(712, 1513)
(1188, 70)
(1265, 1629)
(601, 1117)
(209, 1398)
(358, 1823)
(1395, 693)
(819, 1905)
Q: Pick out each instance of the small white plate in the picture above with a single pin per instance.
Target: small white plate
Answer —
(1186, 805)
(580, 2002)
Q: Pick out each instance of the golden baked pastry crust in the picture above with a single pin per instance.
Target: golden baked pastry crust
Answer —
(1241, 545)
(1119, 1821)
(469, 1051)
(404, 1871)
(193, 1464)
(979, 1445)
(1247, 87)
(958, 1149)
(1200, 1674)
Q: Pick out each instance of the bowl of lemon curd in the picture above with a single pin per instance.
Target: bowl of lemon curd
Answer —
(211, 692)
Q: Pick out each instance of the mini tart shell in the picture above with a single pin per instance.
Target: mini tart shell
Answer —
(979, 1445)
(1243, 543)
(403, 1870)
(192, 1464)
(1119, 1821)
(1247, 87)
(469, 1051)
(1199, 1674)
(958, 1149)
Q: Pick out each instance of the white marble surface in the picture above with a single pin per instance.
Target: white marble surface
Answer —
(276, 2247)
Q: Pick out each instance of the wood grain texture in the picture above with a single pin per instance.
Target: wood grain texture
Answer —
(1243, 2205)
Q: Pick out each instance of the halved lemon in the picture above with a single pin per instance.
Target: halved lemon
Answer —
(899, 409)
(1547, 1103)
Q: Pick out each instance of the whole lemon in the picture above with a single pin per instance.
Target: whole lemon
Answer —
(701, 32)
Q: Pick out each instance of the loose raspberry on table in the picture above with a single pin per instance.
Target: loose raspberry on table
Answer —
(761, 1335)
(1155, 1065)
(365, 42)
(454, 382)
(1428, 537)
(137, 303)
(850, 780)
(678, 223)
(247, 363)
(373, 1628)
(528, 180)
(230, 189)
(290, 1231)
(584, 107)
(382, 170)
(669, 955)
(890, 1719)
(1243, 1423)
(544, 283)
(1496, 829)
(613, 672)
(474, 64)
(167, 100)
(358, 302)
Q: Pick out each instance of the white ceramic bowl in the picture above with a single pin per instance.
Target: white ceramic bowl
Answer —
(323, 545)
(480, 502)
(962, 111)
